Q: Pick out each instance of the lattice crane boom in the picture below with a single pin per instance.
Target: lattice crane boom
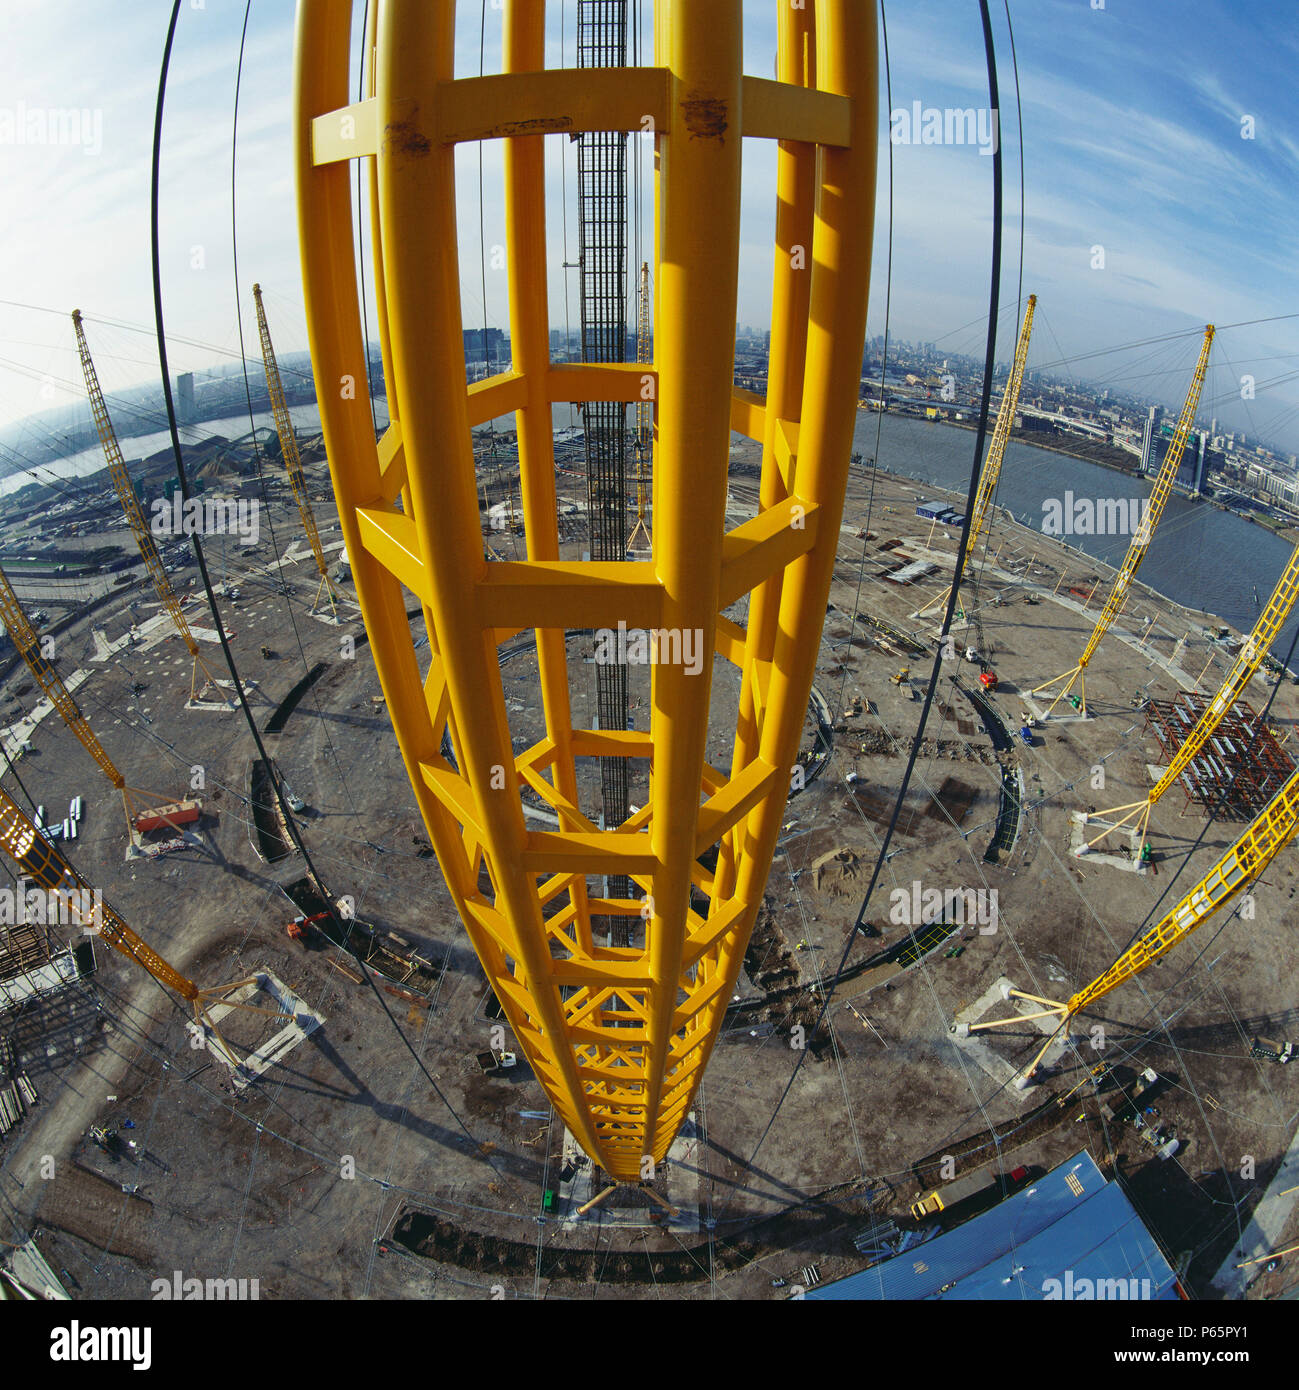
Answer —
(131, 506)
(289, 451)
(981, 516)
(38, 862)
(1241, 865)
(1118, 594)
(1250, 657)
(617, 1036)
(51, 685)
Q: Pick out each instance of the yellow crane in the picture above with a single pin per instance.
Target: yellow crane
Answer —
(1141, 539)
(640, 539)
(1243, 863)
(51, 685)
(981, 520)
(618, 1036)
(39, 863)
(135, 518)
(292, 459)
(1250, 657)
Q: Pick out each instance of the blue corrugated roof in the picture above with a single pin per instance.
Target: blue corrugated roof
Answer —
(1071, 1226)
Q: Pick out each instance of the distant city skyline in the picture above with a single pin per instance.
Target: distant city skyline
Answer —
(1141, 168)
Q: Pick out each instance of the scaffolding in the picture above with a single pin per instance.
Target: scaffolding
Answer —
(602, 260)
(1241, 761)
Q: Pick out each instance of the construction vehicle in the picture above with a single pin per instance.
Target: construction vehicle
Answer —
(988, 679)
(1267, 1050)
(303, 929)
(1026, 734)
(901, 676)
(976, 1184)
(496, 1059)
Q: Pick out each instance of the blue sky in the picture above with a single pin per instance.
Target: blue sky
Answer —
(1133, 142)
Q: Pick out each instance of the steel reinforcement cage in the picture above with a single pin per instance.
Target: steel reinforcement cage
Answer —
(618, 1037)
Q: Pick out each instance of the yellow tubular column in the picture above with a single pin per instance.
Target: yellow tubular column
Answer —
(525, 213)
(699, 228)
(840, 260)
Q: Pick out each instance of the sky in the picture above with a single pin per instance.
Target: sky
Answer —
(1160, 168)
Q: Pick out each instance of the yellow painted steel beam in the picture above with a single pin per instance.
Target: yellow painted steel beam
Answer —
(617, 1037)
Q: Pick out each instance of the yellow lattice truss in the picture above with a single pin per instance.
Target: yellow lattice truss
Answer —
(1250, 657)
(1118, 594)
(134, 516)
(1235, 871)
(40, 864)
(618, 1037)
(981, 517)
(51, 685)
(289, 451)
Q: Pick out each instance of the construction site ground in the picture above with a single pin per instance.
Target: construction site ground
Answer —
(380, 1160)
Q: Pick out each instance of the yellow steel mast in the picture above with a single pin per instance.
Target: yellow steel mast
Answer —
(640, 540)
(51, 685)
(289, 452)
(134, 517)
(981, 520)
(1235, 871)
(617, 1036)
(1250, 657)
(39, 862)
(1118, 594)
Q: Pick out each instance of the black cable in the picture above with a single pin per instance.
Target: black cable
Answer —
(953, 596)
(183, 484)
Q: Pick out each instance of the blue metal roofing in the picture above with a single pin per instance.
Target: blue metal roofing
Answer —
(1071, 1226)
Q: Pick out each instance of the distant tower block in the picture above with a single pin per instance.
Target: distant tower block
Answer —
(617, 1036)
(185, 398)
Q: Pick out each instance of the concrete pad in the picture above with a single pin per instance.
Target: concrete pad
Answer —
(977, 1050)
(1038, 711)
(1083, 827)
(305, 1021)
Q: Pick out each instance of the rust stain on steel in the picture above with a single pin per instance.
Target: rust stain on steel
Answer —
(538, 125)
(404, 137)
(705, 117)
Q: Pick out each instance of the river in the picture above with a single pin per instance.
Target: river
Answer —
(1200, 556)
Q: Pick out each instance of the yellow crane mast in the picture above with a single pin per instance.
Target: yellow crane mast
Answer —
(981, 520)
(1141, 539)
(289, 452)
(1243, 863)
(618, 1036)
(640, 540)
(39, 863)
(135, 517)
(51, 685)
(1250, 657)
